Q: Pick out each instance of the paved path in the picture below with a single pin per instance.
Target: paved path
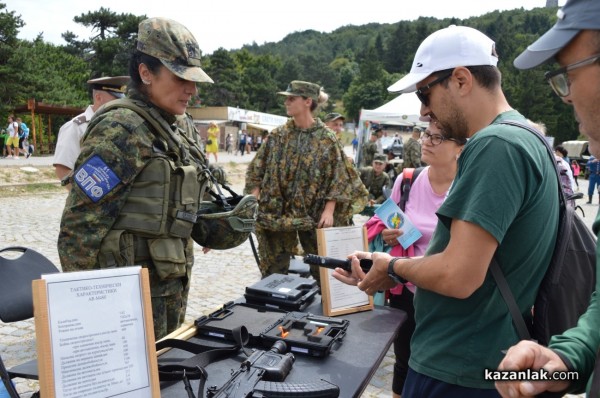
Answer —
(218, 276)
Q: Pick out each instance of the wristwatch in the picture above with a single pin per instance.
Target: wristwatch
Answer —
(394, 276)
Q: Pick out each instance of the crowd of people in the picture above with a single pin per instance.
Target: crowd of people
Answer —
(483, 184)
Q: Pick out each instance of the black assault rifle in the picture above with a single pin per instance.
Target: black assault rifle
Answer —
(261, 374)
(334, 263)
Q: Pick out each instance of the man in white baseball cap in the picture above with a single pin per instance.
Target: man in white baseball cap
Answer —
(573, 42)
(504, 186)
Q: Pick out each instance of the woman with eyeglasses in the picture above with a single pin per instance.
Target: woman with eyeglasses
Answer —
(300, 179)
(427, 193)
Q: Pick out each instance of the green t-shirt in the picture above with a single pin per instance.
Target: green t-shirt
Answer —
(505, 184)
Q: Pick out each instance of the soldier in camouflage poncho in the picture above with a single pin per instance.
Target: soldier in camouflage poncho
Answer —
(301, 181)
(138, 181)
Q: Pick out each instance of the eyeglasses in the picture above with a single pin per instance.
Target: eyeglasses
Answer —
(435, 139)
(423, 94)
(559, 79)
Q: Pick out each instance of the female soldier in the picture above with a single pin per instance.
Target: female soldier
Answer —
(300, 179)
(139, 178)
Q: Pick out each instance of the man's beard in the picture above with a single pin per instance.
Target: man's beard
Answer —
(455, 126)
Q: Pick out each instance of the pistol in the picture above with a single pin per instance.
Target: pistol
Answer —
(333, 263)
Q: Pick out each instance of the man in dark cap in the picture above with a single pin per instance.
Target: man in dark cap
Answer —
(104, 89)
(573, 42)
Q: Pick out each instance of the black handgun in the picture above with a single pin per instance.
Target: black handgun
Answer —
(334, 263)
(261, 374)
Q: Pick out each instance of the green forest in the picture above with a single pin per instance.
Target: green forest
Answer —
(354, 64)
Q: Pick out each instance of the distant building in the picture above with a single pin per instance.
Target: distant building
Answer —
(551, 3)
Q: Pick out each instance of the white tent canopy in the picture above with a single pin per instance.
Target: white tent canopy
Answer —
(404, 110)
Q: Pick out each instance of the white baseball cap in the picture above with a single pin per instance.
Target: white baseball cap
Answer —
(446, 49)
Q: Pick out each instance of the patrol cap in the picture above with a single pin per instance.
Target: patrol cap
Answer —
(376, 130)
(174, 45)
(380, 158)
(330, 117)
(575, 16)
(299, 88)
(116, 86)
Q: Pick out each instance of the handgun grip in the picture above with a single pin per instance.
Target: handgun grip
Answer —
(317, 389)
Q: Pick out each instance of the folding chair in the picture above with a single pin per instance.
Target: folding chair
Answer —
(16, 301)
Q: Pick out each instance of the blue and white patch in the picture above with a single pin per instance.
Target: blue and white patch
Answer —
(95, 178)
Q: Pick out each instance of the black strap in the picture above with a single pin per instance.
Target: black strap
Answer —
(495, 269)
(508, 297)
(193, 368)
(405, 186)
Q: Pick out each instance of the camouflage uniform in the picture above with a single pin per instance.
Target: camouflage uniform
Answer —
(136, 188)
(297, 172)
(369, 151)
(374, 183)
(412, 154)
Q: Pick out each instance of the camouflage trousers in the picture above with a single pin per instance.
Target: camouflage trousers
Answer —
(275, 249)
(168, 311)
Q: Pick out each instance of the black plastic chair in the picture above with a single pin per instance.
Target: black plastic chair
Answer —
(17, 271)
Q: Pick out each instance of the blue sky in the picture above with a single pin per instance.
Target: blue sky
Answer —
(233, 23)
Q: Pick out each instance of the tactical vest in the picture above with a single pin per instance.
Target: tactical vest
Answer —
(155, 223)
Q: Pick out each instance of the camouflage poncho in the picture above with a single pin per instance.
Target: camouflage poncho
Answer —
(297, 172)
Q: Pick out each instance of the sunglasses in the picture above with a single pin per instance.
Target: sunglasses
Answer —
(423, 92)
(559, 79)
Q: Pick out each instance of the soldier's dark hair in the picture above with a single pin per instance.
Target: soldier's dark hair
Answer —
(137, 58)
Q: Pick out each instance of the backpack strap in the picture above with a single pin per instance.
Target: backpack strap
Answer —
(495, 269)
(409, 175)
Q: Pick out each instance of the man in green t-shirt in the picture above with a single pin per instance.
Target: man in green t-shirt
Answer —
(504, 187)
(574, 42)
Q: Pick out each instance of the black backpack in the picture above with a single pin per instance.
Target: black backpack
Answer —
(570, 280)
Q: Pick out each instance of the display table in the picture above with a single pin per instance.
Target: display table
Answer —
(350, 365)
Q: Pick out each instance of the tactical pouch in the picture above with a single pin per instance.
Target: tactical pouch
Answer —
(145, 211)
(168, 256)
(186, 191)
(117, 249)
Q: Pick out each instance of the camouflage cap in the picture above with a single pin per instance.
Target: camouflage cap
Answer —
(174, 45)
(302, 89)
(116, 86)
(380, 158)
(330, 117)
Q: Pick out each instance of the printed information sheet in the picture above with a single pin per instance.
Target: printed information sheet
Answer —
(97, 334)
